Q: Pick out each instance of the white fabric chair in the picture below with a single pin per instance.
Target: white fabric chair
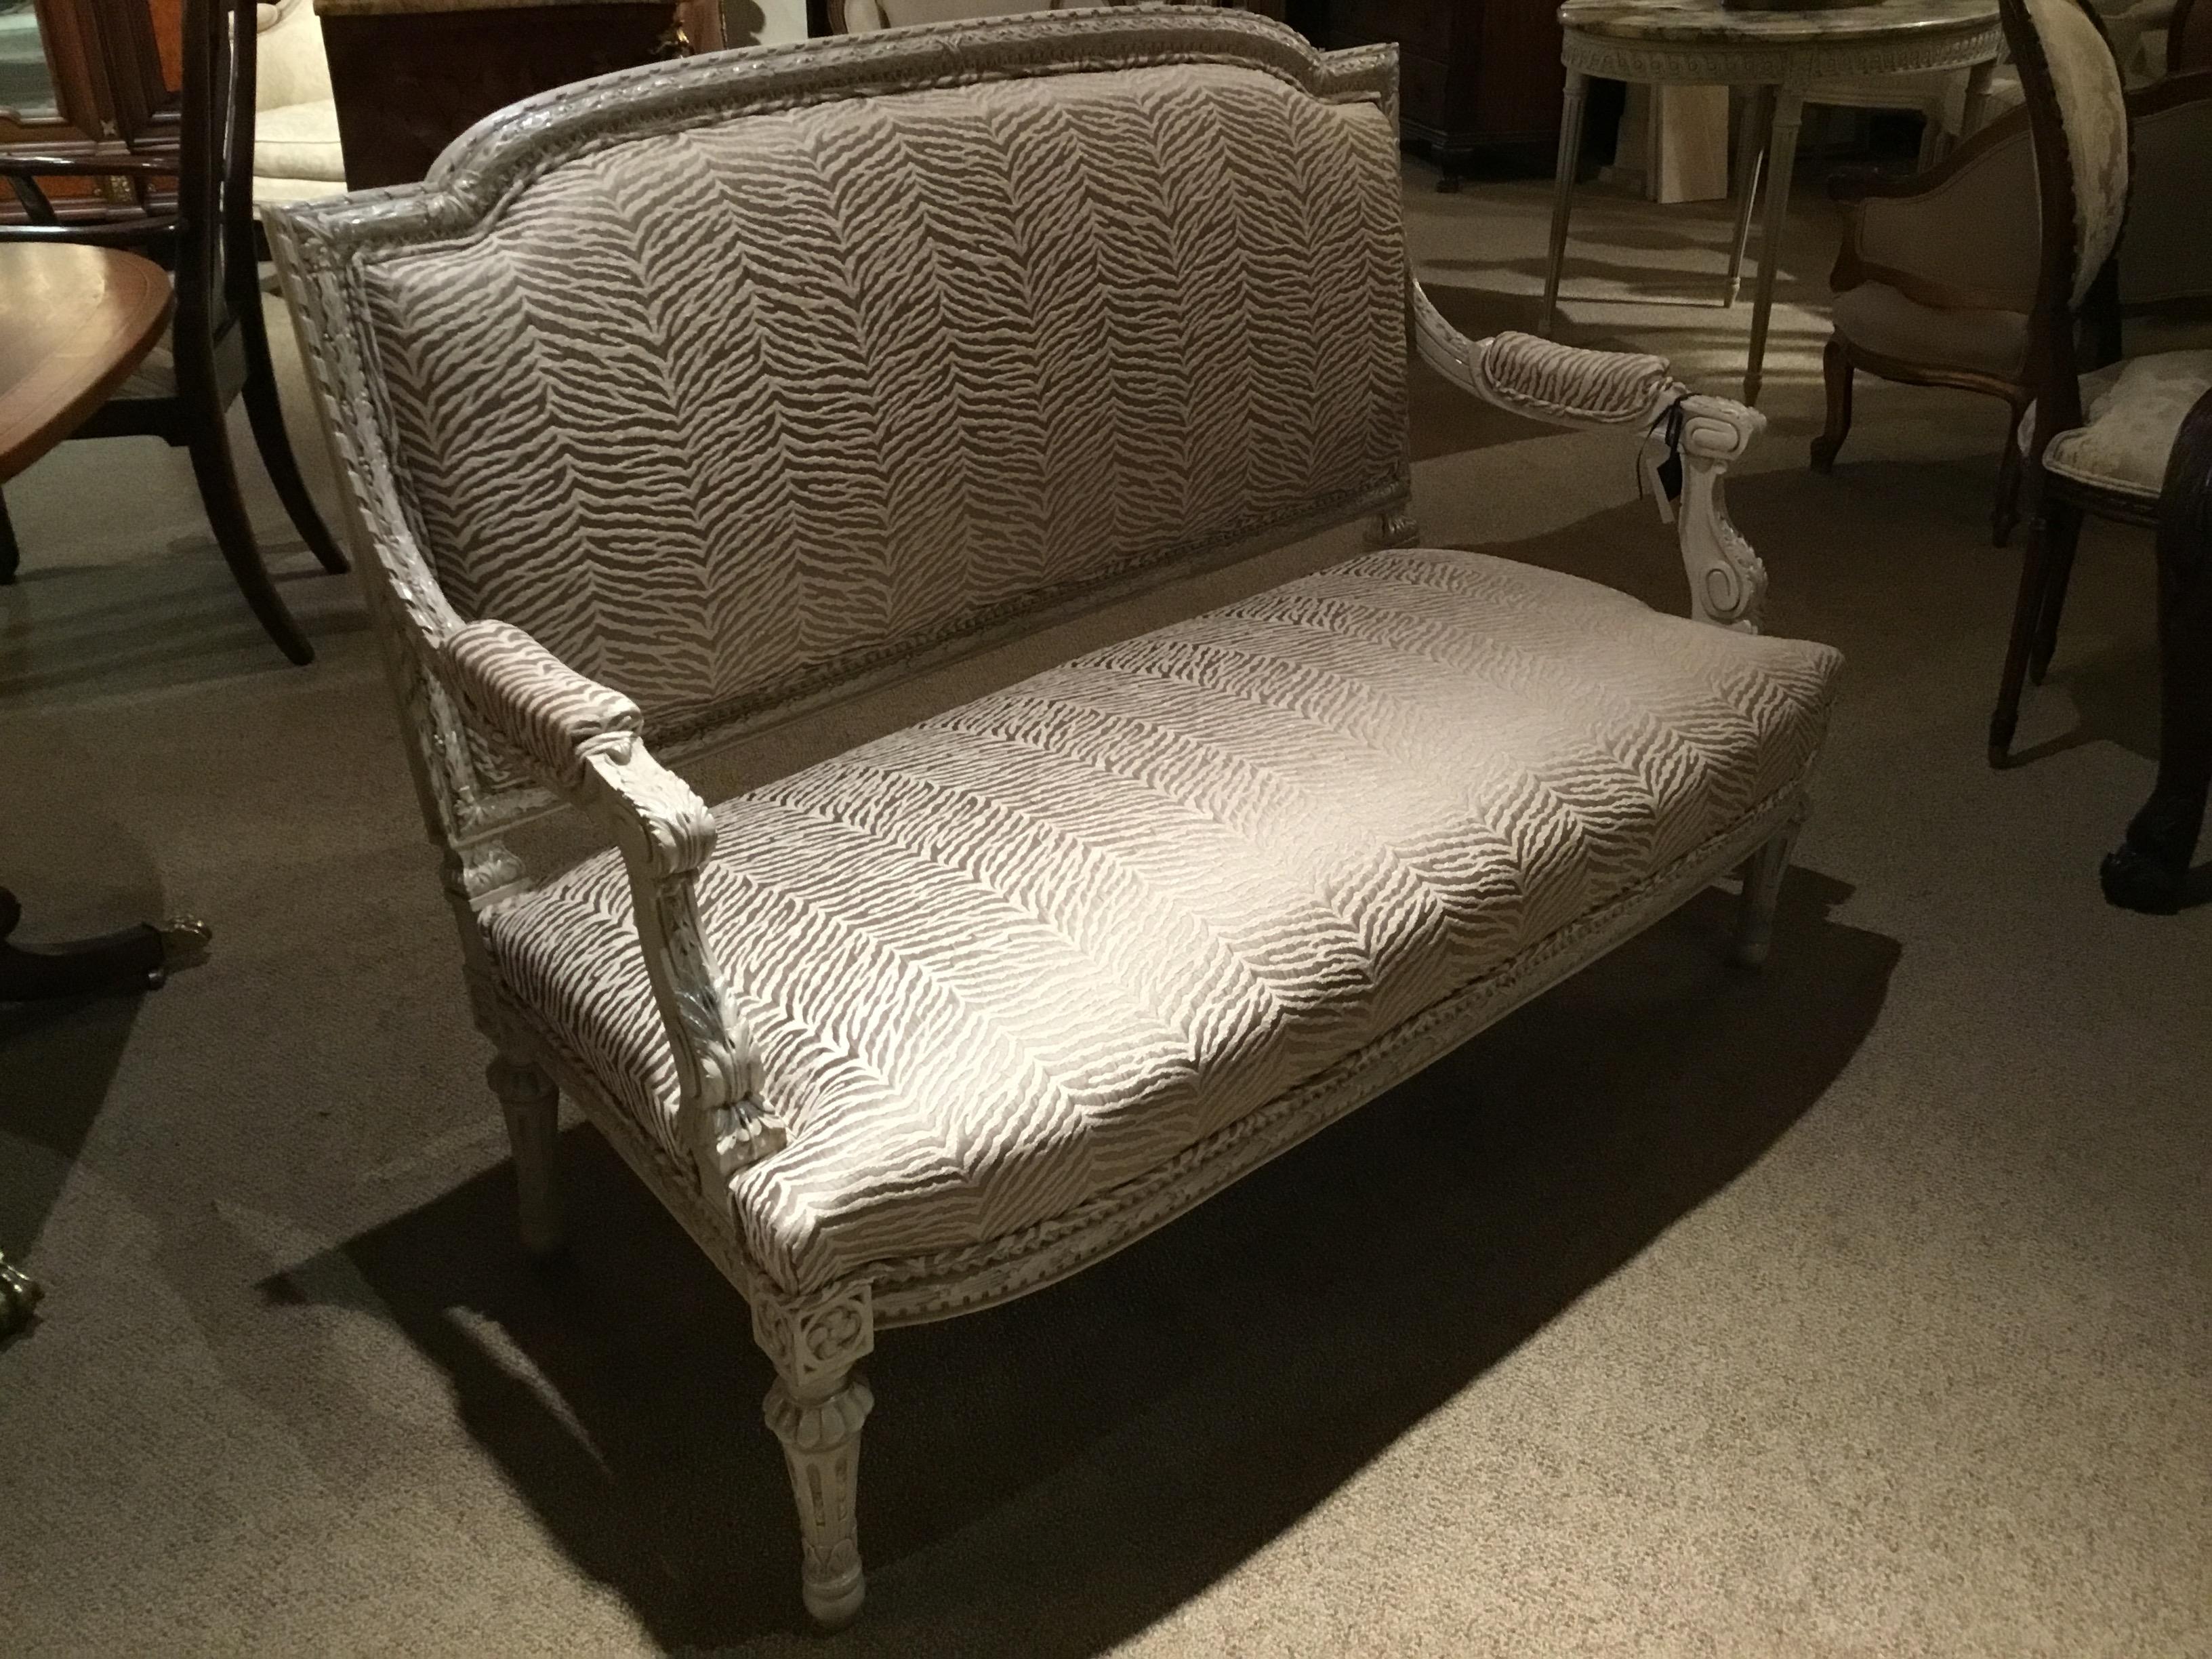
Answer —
(295, 119)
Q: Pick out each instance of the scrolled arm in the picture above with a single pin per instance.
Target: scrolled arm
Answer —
(586, 741)
(1571, 385)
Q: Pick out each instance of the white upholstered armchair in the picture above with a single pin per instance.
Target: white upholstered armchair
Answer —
(295, 119)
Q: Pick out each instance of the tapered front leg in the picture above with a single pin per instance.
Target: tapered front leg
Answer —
(533, 1105)
(816, 1409)
(1563, 191)
(1762, 888)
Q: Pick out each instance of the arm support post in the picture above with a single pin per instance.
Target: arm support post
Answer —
(586, 741)
(1569, 386)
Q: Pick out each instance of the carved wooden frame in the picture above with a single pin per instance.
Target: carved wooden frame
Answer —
(665, 834)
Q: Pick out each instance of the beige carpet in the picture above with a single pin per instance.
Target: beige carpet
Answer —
(1857, 1309)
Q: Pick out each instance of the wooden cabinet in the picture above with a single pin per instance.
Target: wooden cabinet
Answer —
(411, 76)
(1474, 77)
(82, 78)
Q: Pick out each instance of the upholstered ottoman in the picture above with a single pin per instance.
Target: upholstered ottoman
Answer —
(680, 401)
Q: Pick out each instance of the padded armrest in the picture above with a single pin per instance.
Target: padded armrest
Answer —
(588, 741)
(528, 696)
(1563, 385)
(1573, 385)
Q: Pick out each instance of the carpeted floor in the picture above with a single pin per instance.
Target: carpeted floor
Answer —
(1860, 1307)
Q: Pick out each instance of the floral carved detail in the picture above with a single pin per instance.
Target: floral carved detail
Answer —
(814, 1342)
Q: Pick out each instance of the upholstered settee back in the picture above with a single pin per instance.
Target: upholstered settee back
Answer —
(730, 399)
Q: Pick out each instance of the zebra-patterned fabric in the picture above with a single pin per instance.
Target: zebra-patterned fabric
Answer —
(522, 692)
(1030, 949)
(1556, 382)
(722, 413)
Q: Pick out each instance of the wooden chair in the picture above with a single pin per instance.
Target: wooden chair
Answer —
(218, 345)
(2104, 426)
(2150, 870)
(1934, 285)
(2188, 38)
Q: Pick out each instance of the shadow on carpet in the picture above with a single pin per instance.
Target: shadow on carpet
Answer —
(1078, 1464)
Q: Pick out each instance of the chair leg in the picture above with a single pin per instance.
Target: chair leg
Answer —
(2151, 870)
(2059, 572)
(817, 1408)
(209, 447)
(531, 1102)
(2048, 529)
(1762, 888)
(1836, 369)
(265, 413)
(10, 555)
(2006, 512)
(1395, 527)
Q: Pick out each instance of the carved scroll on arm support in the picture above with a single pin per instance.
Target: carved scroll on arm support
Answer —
(585, 740)
(1573, 386)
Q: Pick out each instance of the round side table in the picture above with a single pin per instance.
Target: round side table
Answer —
(1778, 53)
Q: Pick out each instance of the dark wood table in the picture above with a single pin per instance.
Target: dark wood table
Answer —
(74, 323)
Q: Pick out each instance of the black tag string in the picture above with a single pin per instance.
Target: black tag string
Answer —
(1667, 473)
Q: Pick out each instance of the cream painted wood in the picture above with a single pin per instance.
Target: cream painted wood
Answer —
(1700, 42)
(1674, 143)
(820, 1400)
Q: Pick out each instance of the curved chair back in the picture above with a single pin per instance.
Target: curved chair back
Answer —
(2078, 114)
(732, 386)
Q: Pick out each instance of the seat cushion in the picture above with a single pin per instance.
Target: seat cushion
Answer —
(1024, 951)
(1882, 320)
(299, 141)
(2135, 409)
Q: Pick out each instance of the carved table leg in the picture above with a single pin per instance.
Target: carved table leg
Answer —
(533, 1105)
(19, 1294)
(136, 959)
(817, 1408)
(1781, 162)
(1563, 191)
(1750, 161)
(1762, 887)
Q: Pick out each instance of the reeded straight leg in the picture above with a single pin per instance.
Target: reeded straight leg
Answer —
(1781, 161)
(1750, 161)
(1762, 888)
(532, 1104)
(817, 1408)
(1563, 189)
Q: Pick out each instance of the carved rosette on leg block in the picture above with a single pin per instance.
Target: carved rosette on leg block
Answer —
(816, 1409)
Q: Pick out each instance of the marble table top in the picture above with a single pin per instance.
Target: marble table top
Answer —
(1706, 22)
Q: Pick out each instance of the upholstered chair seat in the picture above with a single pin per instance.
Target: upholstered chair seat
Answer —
(2135, 409)
(1201, 859)
(1885, 322)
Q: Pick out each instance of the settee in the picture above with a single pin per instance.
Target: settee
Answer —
(674, 402)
